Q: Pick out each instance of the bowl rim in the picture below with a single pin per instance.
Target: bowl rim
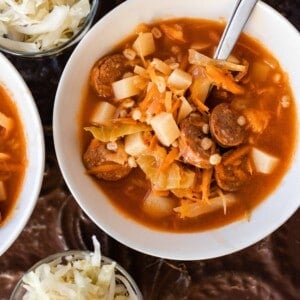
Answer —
(32, 182)
(217, 242)
(57, 50)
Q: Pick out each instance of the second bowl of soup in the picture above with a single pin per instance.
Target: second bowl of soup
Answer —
(181, 155)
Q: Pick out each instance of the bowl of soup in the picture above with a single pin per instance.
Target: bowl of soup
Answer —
(170, 151)
(21, 154)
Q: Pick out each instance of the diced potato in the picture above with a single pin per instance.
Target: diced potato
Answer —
(179, 79)
(144, 44)
(157, 206)
(264, 162)
(3, 195)
(126, 87)
(185, 109)
(141, 71)
(161, 66)
(103, 113)
(260, 71)
(165, 128)
(134, 144)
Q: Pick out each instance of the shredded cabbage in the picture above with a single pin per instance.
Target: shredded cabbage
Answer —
(110, 133)
(175, 177)
(78, 278)
(42, 24)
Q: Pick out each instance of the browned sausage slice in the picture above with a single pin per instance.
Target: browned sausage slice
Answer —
(106, 164)
(234, 170)
(107, 70)
(224, 126)
(191, 138)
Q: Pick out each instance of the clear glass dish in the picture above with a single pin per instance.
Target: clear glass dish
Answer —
(66, 256)
(56, 50)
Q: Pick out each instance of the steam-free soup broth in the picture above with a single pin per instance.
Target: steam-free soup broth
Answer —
(12, 155)
(169, 151)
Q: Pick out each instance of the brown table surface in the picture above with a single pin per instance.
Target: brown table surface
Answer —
(270, 269)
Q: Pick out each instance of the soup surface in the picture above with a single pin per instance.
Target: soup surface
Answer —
(12, 155)
(169, 151)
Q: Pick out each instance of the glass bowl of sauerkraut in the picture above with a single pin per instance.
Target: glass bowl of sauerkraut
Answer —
(42, 28)
(77, 274)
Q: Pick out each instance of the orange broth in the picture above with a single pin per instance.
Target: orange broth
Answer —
(262, 90)
(12, 144)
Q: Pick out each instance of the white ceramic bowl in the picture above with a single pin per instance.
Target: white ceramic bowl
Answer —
(266, 25)
(21, 96)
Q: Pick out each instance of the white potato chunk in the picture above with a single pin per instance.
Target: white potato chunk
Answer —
(264, 162)
(161, 66)
(157, 206)
(103, 113)
(185, 109)
(126, 87)
(179, 80)
(134, 144)
(144, 44)
(165, 128)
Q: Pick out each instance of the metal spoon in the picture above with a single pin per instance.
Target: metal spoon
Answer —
(234, 27)
(233, 30)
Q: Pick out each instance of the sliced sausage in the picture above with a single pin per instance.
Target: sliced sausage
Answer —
(191, 146)
(234, 170)
(106, 164)
(225, 127)
(107, 70)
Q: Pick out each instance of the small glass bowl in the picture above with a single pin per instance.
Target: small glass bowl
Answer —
(56, 50)
(61, 257)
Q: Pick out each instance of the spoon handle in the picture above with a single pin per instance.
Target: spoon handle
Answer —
(234, 27)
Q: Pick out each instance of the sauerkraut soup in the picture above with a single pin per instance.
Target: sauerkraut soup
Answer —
(182, 142)
(13, 160)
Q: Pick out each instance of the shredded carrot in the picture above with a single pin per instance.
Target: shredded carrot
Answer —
(153, 142)
(160, 193)
(200, 105)
(173, 33)
(124, 121)
(175, 107)
(235, 155)
(151, 95)
(221, 79)
(206, 181)
(170, 158)
(157, 105)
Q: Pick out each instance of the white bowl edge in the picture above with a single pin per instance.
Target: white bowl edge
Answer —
(21, 96)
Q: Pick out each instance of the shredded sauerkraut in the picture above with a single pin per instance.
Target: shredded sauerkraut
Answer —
(78, 278)
(35, 25)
